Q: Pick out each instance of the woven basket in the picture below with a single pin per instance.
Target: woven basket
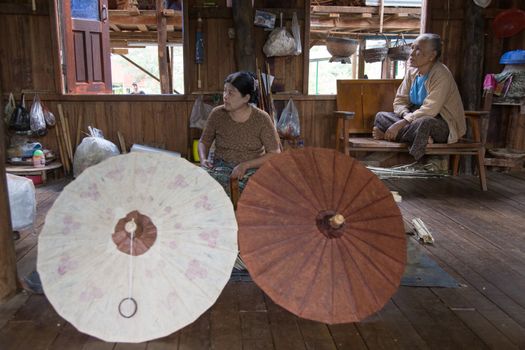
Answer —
(400, 51)
(377, 54)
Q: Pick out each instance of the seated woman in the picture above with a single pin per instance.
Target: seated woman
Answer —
(245, 136)
(427, 106)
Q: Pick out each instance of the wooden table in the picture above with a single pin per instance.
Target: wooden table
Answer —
(31, 170)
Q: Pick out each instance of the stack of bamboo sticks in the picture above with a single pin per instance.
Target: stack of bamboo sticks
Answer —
(65, 145)
(265, 92)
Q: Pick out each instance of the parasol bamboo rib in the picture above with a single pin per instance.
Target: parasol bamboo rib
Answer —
(375, 218)
(351, 278)
(369, 181)
(374, 246)
(287, 240)
(305, 179)
(357, 268)
(291, 211)
(345, 186)
(371, 262)
(309, 288)
(366, 206)
(293, 185)
(284, 258)
(351, 231)
(275, 194)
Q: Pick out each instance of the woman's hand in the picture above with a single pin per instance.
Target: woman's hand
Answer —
(393, 130)
(205, 163)
(239, 171)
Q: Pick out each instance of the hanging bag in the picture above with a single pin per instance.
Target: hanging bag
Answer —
(289, 126)
(199, 113)
(9, 108)
(280, 42)
(20, 120)
(36, 117)
(376, 54)
(400, 51)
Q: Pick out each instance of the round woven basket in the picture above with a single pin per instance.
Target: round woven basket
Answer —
(376, 54)
(399, 53)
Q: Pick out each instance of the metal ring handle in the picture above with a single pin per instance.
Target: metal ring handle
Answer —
(134, 304)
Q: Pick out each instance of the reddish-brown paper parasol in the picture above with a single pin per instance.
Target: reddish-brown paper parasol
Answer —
(322, 235)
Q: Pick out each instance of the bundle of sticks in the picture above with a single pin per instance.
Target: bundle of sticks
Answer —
(65, 144)
(265, 91)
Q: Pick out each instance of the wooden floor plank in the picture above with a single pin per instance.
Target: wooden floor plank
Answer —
(285, 331)
(434, 321)
(171, 342)
(316, 335)
(196, 336)
(69, 338)
(474, 319)
(347, 336)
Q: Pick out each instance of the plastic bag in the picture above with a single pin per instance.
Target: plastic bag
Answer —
(296, 31)
(289, 126)
(91, 151)
(20, 120)
(48, 116)
(199, 113)
(36, 117)
(9, 108)
(279, 43)
(22, 201)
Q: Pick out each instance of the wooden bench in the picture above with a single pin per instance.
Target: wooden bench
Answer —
(473, 147)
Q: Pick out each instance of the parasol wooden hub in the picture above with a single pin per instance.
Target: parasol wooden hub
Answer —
(139, 226)
(330, 223)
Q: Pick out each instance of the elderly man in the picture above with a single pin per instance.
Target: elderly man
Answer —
(427, 106)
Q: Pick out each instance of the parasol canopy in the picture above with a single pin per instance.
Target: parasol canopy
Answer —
(137, 247)
(321, 235)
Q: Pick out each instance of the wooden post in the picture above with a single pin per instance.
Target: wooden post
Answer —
(244, 38)
(472, 62)
(162, 38)
(8, 275)
(425, 17)
(473, 51)
(306, 45)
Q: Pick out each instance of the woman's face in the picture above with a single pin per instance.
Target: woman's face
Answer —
(421, 54)
(233, 99)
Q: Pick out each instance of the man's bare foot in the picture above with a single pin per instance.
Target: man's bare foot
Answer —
(377, 134)
(430, 140)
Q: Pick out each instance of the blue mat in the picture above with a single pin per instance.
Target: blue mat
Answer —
(422, 271)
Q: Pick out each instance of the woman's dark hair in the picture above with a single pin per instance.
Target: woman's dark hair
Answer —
(246, 83)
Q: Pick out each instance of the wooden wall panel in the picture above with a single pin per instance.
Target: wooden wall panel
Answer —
(25, 51)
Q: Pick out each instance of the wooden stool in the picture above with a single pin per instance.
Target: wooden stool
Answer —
(31, 170)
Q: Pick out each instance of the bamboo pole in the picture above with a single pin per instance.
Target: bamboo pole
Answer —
(69, 151)
(61, 150)
(79, 127)
(68, 139)
(122, 143)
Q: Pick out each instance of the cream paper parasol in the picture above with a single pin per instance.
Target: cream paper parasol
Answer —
(184, 245)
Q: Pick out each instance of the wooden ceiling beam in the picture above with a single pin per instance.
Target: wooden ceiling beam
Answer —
(365, 23)
(143, 36)
(146, 17)
(363, 9)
